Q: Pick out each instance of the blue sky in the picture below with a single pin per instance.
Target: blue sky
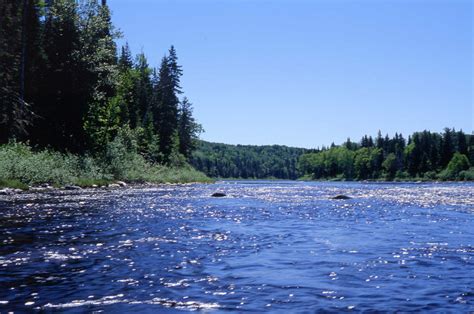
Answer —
(309, 72)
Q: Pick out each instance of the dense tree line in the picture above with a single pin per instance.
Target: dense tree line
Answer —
(247, 161)
(424, 155)
(64, 86)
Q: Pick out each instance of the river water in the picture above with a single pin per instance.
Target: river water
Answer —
(268, 246)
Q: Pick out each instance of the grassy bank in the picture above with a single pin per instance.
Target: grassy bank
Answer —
(21, 166)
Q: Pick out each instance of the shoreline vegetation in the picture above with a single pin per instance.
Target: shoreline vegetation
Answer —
(77, 110)
(23, 168)
(424, 156)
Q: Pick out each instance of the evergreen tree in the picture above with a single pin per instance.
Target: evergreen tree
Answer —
(447, 148)
(143, 92)
(99, 54)
(125, 61)
(461, 143)
(61, 105)
(165, 109)
(379, 142)
(471, 149)
(33, 50)
(175, 70)
(188, 129)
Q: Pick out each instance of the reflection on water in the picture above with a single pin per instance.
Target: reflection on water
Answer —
(280, 246)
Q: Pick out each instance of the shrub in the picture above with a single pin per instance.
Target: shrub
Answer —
(467, 175)
(430, 175)
(20, 166)
(458, 163)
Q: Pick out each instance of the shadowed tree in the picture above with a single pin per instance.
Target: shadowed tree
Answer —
(188, 129)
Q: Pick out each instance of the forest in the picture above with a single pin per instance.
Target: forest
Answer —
(68, 92)
(247, 161)
(424, 156)
(77, 109)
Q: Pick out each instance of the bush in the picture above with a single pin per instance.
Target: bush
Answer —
(20, 166)
(458, 163)
(401, 175)
(430, 175)
(467, 175)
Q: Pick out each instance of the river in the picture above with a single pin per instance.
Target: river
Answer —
(275, 246)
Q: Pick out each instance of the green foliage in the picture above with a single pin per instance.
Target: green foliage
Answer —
(21, 166)
(14, 184)
(456, 165)
(19, 162)
(165, 108)
(392, 159)
(390, 166)
(332, 163)
(247, 161)
(88, 100)
(366, 163)
(467, 175)
(188, 129)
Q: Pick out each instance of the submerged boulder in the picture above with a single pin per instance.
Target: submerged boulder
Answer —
(341, 197)
(218, 194)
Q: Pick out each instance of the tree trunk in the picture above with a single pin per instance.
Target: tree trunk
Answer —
(23, 49)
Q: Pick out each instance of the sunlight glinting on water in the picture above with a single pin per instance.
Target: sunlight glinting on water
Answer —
(267, 245)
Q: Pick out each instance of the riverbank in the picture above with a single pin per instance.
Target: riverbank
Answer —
(23, 168)
(443, 176)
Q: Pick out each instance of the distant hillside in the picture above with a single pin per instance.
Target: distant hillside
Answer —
(247, 161)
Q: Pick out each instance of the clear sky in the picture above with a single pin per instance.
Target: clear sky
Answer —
(309, 72)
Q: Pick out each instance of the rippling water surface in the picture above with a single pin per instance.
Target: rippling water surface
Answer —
(277, 246)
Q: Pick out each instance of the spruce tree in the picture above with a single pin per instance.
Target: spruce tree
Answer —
(188, 128)
(125, 61)
(447, 148)
(165, 109)
(470, 149)
(175, 70)
(461, 142)
(143, 92)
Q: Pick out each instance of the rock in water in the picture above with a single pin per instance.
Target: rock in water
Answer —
(72, 187)
(341, 197)
(6, 191)
(218, 194)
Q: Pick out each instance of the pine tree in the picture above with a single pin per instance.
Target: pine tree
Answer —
(143, 92)
(461, 142)
(447, 148)
(125, 61)
(188, 129)
(471, 149)
(175, 70)
(165, 109)
(379, 142)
